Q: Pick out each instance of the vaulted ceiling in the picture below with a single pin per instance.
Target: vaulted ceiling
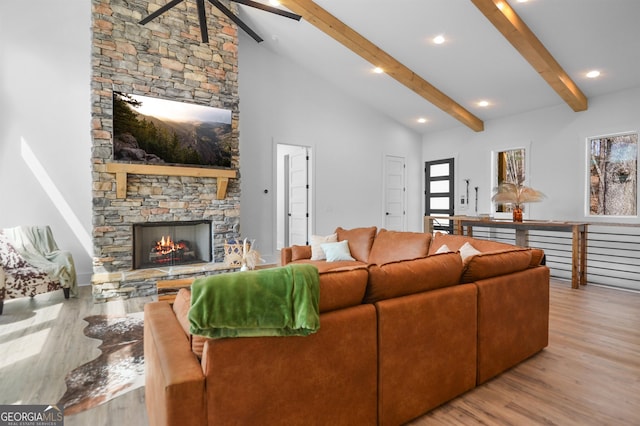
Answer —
(517, 56)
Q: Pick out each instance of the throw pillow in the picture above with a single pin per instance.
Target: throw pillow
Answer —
(443, 249)
(337, 251)
(467, 251)
(317, 252)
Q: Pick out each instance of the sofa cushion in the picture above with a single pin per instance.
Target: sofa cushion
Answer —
(181, 306)
(536, 257)
(496, 263)
(300, 252)
(394, 246)
(342, 288)
(412, 276)
(360, 241)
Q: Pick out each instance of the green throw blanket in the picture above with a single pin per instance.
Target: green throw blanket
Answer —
(268, 302)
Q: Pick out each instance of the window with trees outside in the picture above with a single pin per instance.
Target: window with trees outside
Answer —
(613, 172)
(509, 166)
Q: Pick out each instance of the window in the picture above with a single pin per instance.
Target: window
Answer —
(509, 166)
(612, 177)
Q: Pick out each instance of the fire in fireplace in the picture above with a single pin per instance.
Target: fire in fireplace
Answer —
(168, 251)
(171, 243)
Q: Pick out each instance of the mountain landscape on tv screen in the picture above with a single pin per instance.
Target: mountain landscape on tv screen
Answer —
(200, 139)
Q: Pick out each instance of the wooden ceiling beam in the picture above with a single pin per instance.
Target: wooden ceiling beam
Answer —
(338, 30)
(514, 29)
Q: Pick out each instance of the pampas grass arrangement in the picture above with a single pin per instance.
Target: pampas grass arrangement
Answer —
(250, 257)
(510, 193)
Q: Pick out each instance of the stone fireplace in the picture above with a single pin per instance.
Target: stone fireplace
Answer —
(163, 59)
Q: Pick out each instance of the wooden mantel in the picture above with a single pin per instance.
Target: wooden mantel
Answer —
(122, 169)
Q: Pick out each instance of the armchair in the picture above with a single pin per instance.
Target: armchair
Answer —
(31, 263)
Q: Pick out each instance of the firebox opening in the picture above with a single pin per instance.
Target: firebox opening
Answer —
(171, 243)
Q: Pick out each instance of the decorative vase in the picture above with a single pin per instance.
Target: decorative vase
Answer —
(517, 213)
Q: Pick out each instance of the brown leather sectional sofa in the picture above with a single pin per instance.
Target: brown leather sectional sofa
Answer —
(402, 330)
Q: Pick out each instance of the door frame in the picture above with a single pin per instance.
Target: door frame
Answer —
(452, 191)
(281, 192)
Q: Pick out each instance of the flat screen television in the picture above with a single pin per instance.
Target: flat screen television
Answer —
(150, 130)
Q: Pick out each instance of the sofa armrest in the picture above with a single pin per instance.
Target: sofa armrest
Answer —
(285, 255)
(293, 253)
(174, 381)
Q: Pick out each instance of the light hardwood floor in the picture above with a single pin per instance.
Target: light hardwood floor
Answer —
(589, 374)
(42, 339)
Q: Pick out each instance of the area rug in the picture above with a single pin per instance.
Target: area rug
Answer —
(119, 369)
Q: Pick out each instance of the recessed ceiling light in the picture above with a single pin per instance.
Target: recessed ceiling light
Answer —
(378, 70)
(439, 39)
(422, 120)
(593, 74)
(483, 104)
(274, 2)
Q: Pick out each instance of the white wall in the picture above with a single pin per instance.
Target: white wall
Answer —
(280, 102)
(45, 144)
(557, 137)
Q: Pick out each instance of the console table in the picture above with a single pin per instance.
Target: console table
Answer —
(463, 225)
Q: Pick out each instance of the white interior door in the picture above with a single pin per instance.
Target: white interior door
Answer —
(298, 212)
(394, 193)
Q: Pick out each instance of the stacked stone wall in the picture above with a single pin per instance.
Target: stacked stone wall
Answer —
(166, 59)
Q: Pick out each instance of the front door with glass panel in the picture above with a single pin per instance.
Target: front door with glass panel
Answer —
(439, 196)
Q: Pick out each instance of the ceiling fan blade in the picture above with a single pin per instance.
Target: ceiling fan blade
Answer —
(270, 9)
(202, 17)
(160, 11)
(235, 19)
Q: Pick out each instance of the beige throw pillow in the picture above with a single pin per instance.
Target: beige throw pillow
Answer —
(467, 251)
(316, 245)
(443, 249)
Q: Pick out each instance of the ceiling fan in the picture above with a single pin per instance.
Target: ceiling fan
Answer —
(203, 18)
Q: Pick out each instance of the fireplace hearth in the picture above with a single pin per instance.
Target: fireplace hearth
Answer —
(162, 244)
